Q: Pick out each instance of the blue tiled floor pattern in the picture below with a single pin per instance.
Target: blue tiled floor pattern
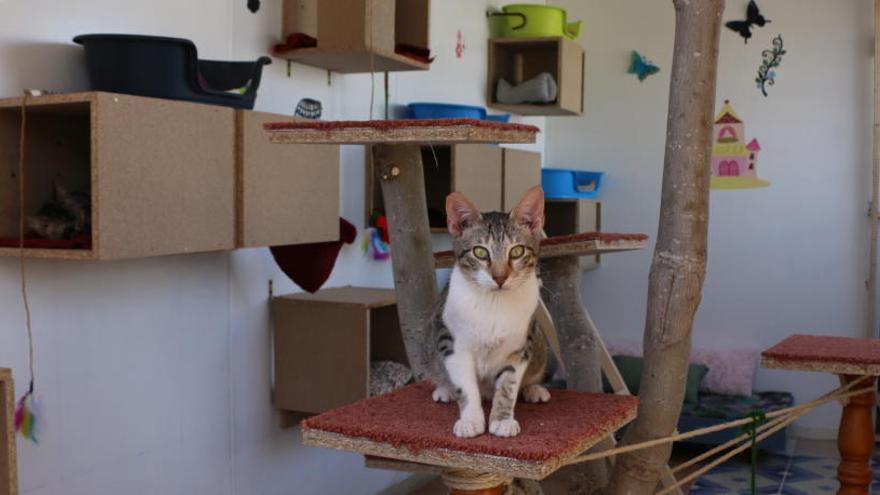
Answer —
(778, 474)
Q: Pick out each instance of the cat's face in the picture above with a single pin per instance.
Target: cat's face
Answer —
(496, 251)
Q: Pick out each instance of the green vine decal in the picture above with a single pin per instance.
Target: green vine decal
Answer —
(772, 58)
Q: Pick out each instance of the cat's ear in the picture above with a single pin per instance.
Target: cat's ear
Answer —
(529, 212)
(461, 213)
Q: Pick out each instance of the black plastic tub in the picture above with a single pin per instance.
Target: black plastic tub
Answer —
(168, 68)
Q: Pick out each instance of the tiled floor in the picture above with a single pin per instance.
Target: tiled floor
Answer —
(810, 470)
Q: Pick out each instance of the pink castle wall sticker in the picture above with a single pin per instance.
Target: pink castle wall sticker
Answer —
(734, 159)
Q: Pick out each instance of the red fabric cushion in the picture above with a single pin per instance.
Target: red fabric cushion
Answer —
(310, 265)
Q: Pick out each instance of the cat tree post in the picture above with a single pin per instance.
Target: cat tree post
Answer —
(398, 169)
(561, 293)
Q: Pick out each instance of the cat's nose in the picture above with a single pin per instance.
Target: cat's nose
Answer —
(500, 280)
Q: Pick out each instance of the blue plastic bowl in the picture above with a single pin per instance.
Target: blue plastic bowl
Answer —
(566, 183)
(451, 111)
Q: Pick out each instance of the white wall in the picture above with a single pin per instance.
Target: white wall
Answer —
(154, 374)
(787, 259)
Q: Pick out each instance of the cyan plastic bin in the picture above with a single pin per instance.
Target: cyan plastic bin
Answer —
(566, 183)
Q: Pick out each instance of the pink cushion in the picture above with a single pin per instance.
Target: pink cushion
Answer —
(731, 371)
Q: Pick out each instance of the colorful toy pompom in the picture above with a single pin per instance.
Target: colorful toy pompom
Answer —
(25, 415)
(376, 240)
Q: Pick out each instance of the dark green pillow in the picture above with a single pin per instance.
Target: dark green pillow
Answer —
(631, 371)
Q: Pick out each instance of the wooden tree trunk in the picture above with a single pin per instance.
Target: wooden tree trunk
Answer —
(679, 263)
(578, 340)
(399, 171)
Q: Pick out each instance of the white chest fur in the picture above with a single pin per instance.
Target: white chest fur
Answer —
(490, 325)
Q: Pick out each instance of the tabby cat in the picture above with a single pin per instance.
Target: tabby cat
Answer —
(483, 341)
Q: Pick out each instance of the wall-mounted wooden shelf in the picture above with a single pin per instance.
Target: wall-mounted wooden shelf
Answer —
(285, 194)
(163, 177)
(160, 173)
(8, 469)
(520, 59)
(356, 36)
(494, 178)
(571, 216)
(324, 343)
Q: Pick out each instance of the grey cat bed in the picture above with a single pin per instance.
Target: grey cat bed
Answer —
(388, 376)
(539, 89)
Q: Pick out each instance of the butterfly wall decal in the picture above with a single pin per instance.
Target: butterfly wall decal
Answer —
(753, 18)
(641, 66)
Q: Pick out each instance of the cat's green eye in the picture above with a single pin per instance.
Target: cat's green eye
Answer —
(517, 251)
(481, 253)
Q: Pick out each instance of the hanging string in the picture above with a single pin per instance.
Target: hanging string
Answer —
(387, 94)
(372, 61)
(25, 419)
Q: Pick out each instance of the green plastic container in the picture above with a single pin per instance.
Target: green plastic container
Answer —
(534, 21)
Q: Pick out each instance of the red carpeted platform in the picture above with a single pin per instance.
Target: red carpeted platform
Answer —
(830, 354)
(582, 244)
(407, 425)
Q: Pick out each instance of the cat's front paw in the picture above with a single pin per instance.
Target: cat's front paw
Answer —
(536, 393)
(504, 427)
(442, 394)
(469, 428)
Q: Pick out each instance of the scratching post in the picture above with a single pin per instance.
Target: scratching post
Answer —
(466, 482)
(578, 339)
(399, 171)
(679, 264)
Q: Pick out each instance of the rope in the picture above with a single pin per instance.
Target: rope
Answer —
(781, 419)
(744, 436)
(21, 232)
(465, 480)
(834, 395)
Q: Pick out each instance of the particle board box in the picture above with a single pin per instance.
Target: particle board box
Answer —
(324, 343)
(494, 178)
(522, 171)
(286, 193)
(520, 59)
(8, 469)
(357, 35)
(160, 173)
(571, 216)
(473, 169)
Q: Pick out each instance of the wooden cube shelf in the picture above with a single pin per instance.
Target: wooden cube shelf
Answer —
(520, 59)
(494, 178)
(160, 173)
(358, 35)
(571, 216)
(522, 171)
(163, 177)
(324, 343)
(285, 194)
(8, 469)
